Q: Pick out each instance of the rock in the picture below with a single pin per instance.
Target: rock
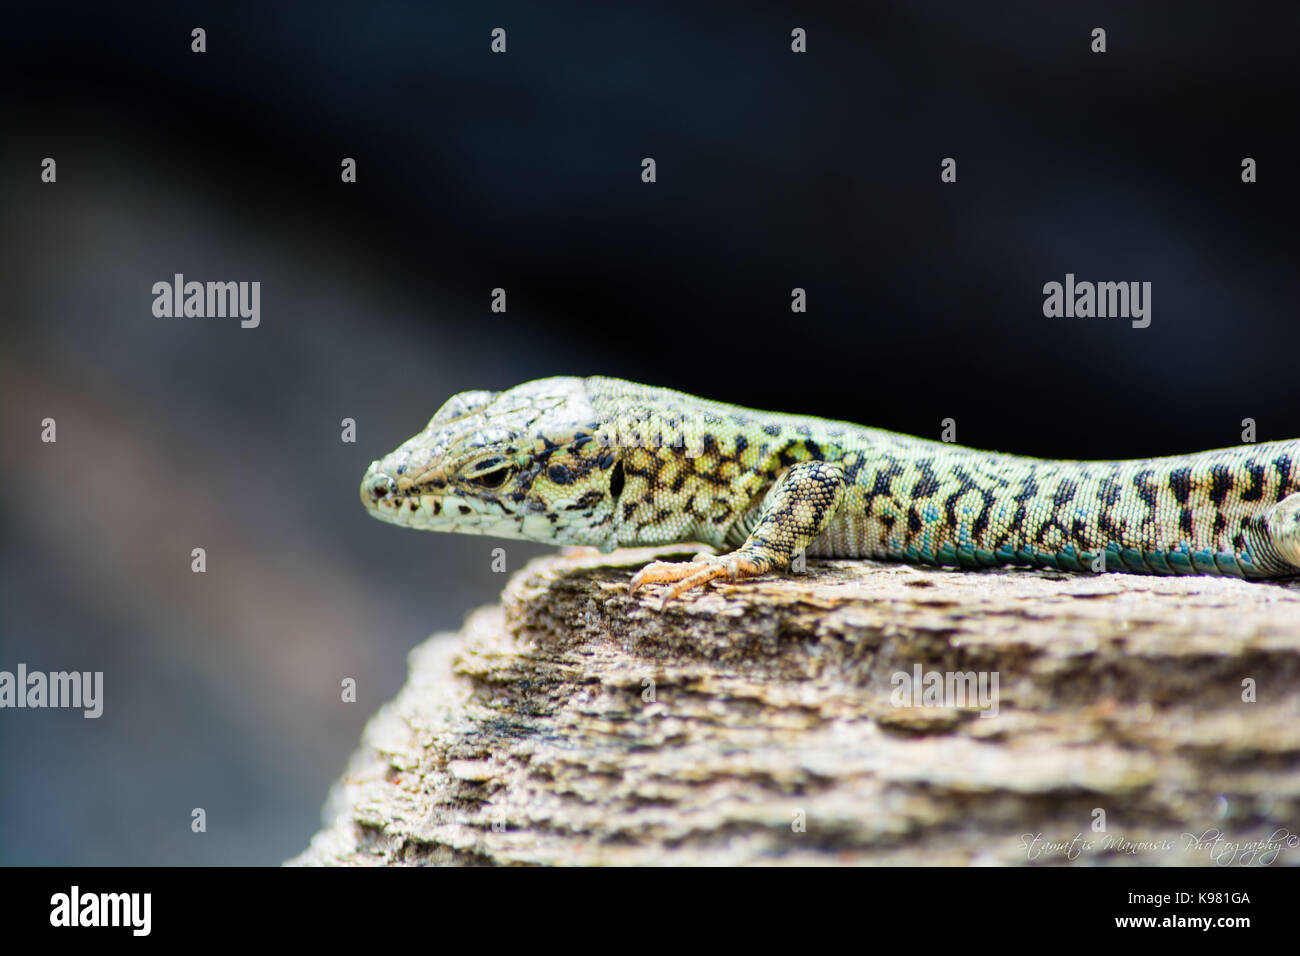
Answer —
(1126, 719)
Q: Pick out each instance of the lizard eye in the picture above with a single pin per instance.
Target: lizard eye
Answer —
(491, 479)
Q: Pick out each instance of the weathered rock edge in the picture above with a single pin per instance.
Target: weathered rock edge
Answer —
(753, 723)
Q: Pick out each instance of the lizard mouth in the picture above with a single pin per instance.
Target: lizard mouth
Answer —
(417, 506)
(384, 497)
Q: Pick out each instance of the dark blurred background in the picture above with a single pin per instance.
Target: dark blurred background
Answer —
(522, 171)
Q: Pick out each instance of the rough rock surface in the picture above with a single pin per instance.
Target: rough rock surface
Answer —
(760, 723)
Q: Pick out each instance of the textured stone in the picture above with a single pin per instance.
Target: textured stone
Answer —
(574, 724)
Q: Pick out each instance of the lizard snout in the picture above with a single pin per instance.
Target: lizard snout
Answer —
(377, 485)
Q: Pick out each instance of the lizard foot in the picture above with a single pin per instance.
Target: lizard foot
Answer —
(693, 574)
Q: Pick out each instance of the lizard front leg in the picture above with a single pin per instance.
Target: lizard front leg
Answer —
(795, 511)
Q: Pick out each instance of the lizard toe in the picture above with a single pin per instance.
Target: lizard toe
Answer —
(661, 572)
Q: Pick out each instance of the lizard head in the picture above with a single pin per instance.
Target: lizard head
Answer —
(523, 463)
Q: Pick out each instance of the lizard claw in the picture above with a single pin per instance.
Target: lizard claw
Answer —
(686, 575)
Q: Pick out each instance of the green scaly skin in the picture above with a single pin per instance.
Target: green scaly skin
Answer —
(608, 463)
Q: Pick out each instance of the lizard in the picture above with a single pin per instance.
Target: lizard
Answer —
(608, 463)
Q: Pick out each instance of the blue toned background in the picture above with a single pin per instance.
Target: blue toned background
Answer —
(775, 170)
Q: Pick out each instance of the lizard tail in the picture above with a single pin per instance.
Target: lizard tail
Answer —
(1282, 521)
